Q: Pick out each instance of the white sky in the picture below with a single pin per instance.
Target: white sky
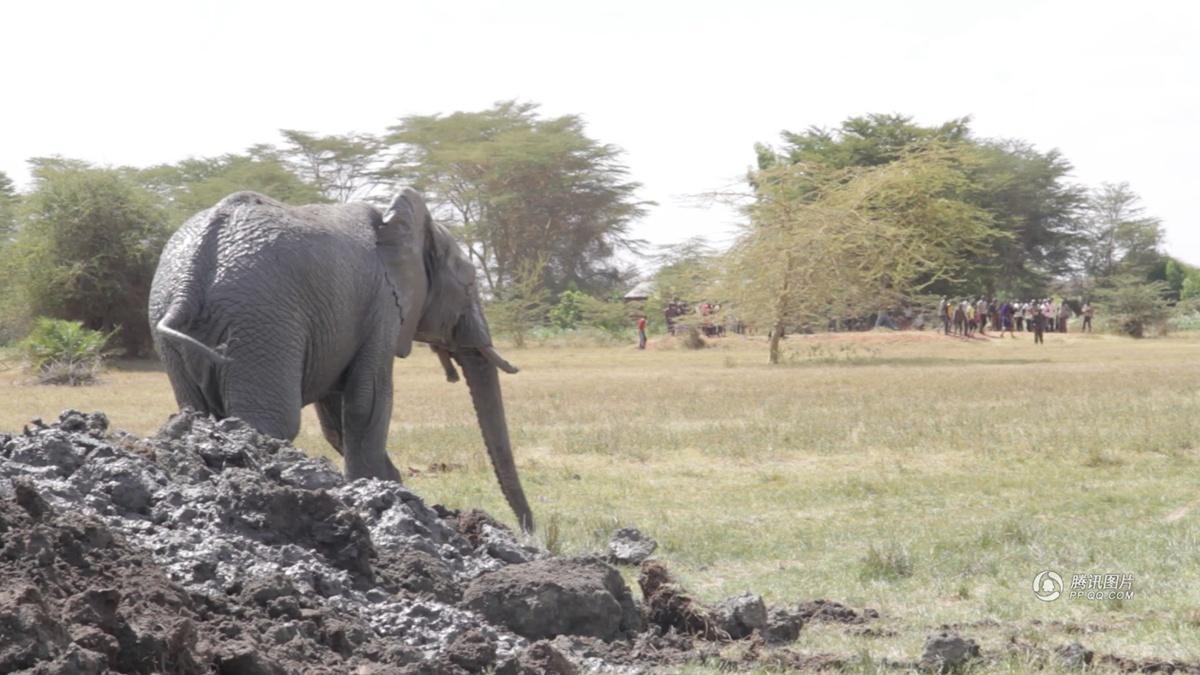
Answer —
(686, 88)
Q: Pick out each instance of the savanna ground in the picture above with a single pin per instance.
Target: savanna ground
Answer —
(927, 477)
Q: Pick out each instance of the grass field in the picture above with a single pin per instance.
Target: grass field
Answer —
(927, 477)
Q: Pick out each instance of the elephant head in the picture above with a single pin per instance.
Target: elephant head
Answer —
(434, 286)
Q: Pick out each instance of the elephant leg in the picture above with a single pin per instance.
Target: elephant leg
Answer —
(366, 412)
(265, 393)
(329, 412)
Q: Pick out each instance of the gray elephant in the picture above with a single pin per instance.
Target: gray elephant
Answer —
(259, 308)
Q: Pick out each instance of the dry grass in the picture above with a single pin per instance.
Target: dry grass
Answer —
(930, 478)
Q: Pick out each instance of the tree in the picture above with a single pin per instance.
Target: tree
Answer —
(8, 209)
(521, 188)
(193, 185)
(1024, 191)
(14, 317)
(343, 168)
(1028, 196)
(1190, 288)
(869, 140)
(88, 248)
(1117, 238)
(826, 243)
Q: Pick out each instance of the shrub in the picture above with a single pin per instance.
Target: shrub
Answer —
(568, 313)
(1135, 308)
(693, 339)
(64, 352)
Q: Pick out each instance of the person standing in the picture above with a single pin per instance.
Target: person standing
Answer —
(1006, 320)
(942, 307)
(1064, 315)
(1039, 325)
(1087, 318)
(1022, 310)
(960, 319)
(641, 329)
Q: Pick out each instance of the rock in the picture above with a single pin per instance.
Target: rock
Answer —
(246, 660)
(670, 608)
(472, 650)
(628, 546)
(1074, 656)
(31, 635)
(497, 540)
(52, 449)
(741, 615)
(945, 652)
(423, 573)
(834, 612)
(783, 626)
(540, 658)
(545, 598)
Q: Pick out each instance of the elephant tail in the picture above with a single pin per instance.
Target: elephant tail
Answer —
(168, 332)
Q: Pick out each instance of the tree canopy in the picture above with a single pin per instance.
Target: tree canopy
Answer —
(826, 242)
(1025, 192)
(522, 188)
(195, 184)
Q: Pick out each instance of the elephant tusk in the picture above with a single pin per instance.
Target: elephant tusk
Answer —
(495, 359)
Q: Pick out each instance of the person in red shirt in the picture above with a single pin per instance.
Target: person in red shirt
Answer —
(641, 328)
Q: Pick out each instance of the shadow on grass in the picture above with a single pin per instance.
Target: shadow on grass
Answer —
(127, 365)
(911, 362)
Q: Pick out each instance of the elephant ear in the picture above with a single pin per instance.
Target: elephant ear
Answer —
(400, 241)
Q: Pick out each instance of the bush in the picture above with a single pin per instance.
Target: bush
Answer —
(1186, 316)
(1135, 308)
(87, 248)
(64, 352)
(693, 339)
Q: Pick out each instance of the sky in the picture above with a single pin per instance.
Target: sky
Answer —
(685, 88)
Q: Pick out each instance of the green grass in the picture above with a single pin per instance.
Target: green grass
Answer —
(929, 478)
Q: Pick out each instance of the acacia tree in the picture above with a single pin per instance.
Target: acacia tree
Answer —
(522, 188)
(87, 249)
(195, 184)
(823, 243)
(342, 167)
(1026, 192)
(1117, 237)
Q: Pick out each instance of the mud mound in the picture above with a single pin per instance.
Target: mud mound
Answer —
(546, 598)
(210, 547)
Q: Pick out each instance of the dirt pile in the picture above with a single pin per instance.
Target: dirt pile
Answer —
(210, 547)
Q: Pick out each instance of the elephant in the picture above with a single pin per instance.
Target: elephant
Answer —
(258, 308)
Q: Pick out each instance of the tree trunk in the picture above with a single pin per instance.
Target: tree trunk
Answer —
(776, 337)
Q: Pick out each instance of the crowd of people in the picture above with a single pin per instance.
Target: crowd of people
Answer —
(708, 312)
(970, 316)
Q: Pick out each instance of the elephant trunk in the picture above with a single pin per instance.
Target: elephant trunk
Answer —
(483, 380)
